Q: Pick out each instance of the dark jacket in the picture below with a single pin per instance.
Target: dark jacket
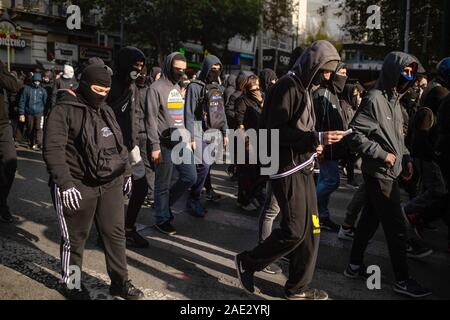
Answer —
(230, 107)
(8, 84)
(328, 111)
(32, 100)
(288, 107)
(63, 148)
(193, 98)
(378, 125)
(230, 88)
(124, 97)
(443, 130)
(165, 107)
(266, 77)
(252, 113)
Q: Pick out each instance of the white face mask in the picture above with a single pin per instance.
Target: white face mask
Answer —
(36, 83)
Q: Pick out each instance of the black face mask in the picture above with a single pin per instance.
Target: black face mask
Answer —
(91, 98)
(141, 80)
(176, 75)
(339, 83)
(403, 85)
(213, 76)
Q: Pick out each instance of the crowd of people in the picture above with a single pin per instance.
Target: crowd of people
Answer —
(107, 135)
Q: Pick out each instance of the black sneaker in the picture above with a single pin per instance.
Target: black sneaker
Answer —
(6, 215)
(329, 225)
(76, 294)
(166, 228)
(245, 277)
(416, 250)
(308, 294)
(211, 195)
(353, 184)
(126, 291)
(273, 269)
(359, 273)
(411, 288)
(135, 240)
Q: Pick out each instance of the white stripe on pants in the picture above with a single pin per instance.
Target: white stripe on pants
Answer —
(65, 254)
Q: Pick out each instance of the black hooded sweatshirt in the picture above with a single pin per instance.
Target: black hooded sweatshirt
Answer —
(124, 97)
(266, 77)
(230, 89)
(288, 107)
(63, 147)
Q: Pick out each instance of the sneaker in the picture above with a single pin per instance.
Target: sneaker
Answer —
(211, 195)
(195, 208)
(246, 278)
(329, 225)
(135, 240)
(273, 269)
(149, 203)
(359, 273)
(308, 294)
(35, 148)
(346, 233)
(166, 228)
(76, 294)
(126, 291)
(416, 250)
(411, 288)
(248, 207)
(6, 215)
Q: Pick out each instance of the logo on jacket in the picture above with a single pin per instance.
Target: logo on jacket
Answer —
(106, 132)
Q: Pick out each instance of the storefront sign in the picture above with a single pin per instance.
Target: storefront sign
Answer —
(9, 35)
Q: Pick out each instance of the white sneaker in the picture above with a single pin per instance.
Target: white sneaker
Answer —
(346, 234)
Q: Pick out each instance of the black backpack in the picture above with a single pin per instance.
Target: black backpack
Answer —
(102, 165)
(212, 106)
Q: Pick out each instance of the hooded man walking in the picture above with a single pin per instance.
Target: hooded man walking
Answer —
(205, 107)
(378, 136)
(288, 108)
(165, 118)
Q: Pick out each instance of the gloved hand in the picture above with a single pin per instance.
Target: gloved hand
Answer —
(71, 199)
(128, 184)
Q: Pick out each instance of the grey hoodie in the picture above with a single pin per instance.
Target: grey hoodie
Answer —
(378, 125)
(288, 106)
(194, 94)
(165, 106)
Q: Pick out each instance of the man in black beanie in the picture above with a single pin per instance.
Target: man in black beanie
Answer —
(89, 175)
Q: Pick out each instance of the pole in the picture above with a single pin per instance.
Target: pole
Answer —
(8, 39)
(407, 25)
(260, 38)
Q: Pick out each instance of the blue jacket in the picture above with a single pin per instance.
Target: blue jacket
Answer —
(32, 101)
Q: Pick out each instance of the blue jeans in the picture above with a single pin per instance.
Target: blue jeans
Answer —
(328, 182)
(202, 174)
(166, 196)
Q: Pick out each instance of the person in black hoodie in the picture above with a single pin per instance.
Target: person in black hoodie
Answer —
(66, 81)
(288, 108)
(8, 156)
(267, 78)
(89, 174)
(328, 112)
(125, 100)
(195, 110)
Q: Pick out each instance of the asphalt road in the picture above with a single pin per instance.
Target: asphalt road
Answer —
(195, 264)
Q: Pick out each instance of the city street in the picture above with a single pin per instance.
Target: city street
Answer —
(197, 263)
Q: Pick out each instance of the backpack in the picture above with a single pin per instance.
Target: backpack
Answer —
(102, 165)
(212, 106)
